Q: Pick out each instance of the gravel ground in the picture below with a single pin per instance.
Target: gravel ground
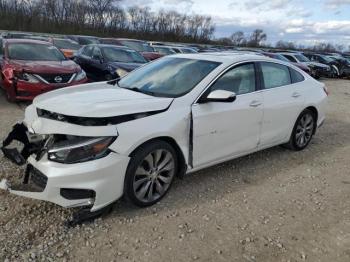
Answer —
(275, 205)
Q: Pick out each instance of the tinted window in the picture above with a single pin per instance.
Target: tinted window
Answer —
(88, 40)
(169, 76)
(302, 58)
(275, 75)
(96, 54)
(290, 58)
(88, 50)
(296, 76)
(119, 55)
(138, 46)
(240, 80)
(34, 52)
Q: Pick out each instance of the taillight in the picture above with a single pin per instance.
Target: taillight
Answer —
(325, 89)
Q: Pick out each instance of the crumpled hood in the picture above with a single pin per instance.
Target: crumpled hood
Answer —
(99, 100)
(46, 67)
(126, 66)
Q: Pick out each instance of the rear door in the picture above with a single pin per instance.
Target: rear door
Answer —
(283, 102)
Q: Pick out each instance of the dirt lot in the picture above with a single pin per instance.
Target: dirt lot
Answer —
(274, 205)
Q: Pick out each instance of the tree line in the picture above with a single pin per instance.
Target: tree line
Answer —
(103, 18)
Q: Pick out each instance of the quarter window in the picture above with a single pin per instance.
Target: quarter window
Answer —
(240, 80)
(275, 75)
(296, 76)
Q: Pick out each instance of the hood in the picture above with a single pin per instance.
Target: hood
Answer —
(99, 100)
(126, 66)
(46, 67)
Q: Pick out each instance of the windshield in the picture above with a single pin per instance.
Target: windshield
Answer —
(113, 54)
(88, 40)
(138, 46)
(168, 77)
(34, 52)
(280, 57)
(302, 58)
(66, 44)
(164, 50)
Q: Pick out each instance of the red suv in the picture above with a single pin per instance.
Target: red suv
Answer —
(30, 68)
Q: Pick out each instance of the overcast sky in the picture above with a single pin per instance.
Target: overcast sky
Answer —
(304, 21)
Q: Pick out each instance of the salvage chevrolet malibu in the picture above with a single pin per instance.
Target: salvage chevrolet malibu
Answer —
(90, 145)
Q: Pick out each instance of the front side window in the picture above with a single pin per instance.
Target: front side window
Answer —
(240, 80)
(34, 52)
(87, 51)
(275, 75)
(168, 77)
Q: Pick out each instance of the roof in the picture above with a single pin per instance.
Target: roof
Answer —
(24, 41)
(228, 57)
(114, 46)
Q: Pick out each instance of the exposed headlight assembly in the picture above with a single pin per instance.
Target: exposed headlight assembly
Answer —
(121, 72)
(80, 76)
(80, 149)
(26, 77)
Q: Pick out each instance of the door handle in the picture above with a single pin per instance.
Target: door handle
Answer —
(296, 95)
(255, 103)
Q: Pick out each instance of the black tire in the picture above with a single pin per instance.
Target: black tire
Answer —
(294, 143)
(8, 97)
(138, 160)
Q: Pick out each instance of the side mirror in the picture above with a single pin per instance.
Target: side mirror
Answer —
(219, 96)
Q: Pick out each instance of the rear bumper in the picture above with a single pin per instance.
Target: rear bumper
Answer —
(96, 183)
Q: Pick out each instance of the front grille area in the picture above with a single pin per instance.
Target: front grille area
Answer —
(56, 78)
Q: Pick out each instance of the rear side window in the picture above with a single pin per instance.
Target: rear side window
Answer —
(275, 75)
(296, 76)
(291, 58)
(88, 51)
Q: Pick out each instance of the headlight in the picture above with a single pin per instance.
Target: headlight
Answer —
(26, 77)
(121, 72)
(80, 76)
(80, 150)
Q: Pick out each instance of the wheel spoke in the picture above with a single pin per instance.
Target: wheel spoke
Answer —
(139, 182)
(156, 157)
(142, 192)
(165, 179)
(150, 192)
(165, 161)
(141, 171)
(159, 187)
(149, 161)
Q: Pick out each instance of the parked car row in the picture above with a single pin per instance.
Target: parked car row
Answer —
(34, 64)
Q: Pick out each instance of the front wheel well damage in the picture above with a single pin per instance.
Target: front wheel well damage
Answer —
(171, 141)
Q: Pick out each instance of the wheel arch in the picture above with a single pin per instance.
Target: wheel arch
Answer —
(180, 154)
(314, 111)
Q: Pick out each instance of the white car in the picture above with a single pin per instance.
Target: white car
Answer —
(91, 144)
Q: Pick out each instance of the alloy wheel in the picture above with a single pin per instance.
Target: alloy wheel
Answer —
(154, 175)
(304, 131)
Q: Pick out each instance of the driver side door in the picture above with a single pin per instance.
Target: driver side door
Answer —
(223, 130)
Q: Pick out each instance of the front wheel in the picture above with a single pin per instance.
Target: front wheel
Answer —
(303, 131)
(150, 173)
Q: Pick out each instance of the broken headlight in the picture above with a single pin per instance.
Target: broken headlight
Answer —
(80, 149)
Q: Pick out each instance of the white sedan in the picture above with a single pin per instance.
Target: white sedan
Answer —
(91, 144)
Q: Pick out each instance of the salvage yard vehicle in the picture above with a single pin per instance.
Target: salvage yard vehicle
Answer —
(317, 69)
(30, 68)
(90, 145)
(107, 62)
(68, 47)
(140, 46)
(282, 58)
(323, 59)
